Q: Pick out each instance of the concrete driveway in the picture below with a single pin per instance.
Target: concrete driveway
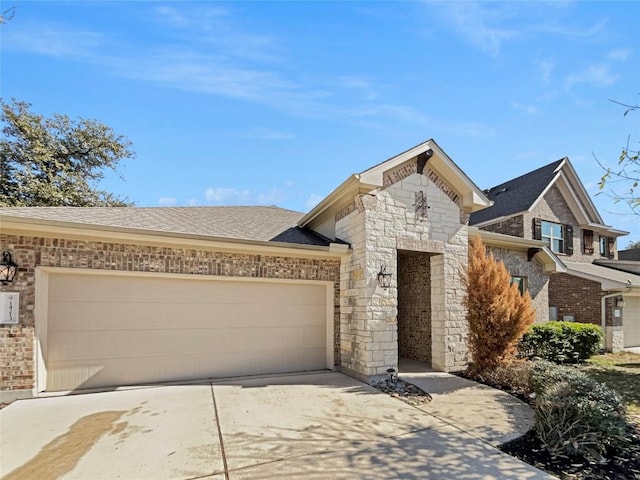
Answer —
(322, 425)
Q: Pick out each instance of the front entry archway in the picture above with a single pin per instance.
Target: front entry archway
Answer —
(414, 306)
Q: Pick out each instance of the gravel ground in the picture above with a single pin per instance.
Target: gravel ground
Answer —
(402, 390)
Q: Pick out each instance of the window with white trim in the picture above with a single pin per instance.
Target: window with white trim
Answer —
(553, 235)
(606, 247)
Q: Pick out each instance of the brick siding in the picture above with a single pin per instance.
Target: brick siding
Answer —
(16, 342)
(414, 306)
(575, 296)
(513, 226)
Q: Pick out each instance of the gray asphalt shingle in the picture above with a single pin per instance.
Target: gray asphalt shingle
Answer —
(516, 195)
(261, 223)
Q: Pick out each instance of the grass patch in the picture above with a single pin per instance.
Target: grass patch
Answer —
(621, 372)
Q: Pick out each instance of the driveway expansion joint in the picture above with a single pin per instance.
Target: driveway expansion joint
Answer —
(220, 439)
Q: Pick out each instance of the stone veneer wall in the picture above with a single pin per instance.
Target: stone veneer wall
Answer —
(17, 341)
(414, 306)
(377, 225)
(538, 282)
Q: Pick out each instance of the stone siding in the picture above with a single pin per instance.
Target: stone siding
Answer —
(414, 209)
(17, 342)
(614, 339)
(414, 306)
(537, 281)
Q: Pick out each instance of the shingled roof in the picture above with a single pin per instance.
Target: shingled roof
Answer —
(257, 223)
(516, 195)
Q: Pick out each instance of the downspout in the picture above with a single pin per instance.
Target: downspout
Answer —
(603, 313)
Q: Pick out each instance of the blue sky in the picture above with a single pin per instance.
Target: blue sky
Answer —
(277, 103)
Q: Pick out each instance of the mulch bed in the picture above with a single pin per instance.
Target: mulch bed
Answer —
(529, 449)
(622, 467)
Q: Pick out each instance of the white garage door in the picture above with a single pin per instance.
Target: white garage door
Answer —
(105, 330)
(631, 321)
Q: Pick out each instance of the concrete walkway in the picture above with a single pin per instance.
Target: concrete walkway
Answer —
(488, 414)
(311, 426)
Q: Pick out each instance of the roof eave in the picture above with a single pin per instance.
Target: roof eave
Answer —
(606, 284)
(607, 229)
(550, 261)
(350, 185)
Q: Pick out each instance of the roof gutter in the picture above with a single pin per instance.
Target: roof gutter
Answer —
(607, 229)
(501, 239)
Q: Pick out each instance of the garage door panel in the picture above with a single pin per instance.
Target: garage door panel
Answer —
(72, 287)
(139, 371)
(171, 315)
(104, 345)
(631, 322)
(116, 330)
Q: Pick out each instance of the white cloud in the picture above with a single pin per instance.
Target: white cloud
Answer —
(619, 54)
(166, 201)
(192, 202)
(229, 195)
(526, 109)
(564, 29)
(312, 201)
(234, 196)
(473, 129)
(212, 66)
(545, 66)
(597, 75)
(172, 16)
(52, 40)
(480, 25)
(359, 83)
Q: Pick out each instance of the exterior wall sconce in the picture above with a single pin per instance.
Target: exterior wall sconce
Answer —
(384, 278)
(620, 302)
(8, 268)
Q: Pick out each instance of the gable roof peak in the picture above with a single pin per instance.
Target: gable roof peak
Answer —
(518, 194)
(372, 179)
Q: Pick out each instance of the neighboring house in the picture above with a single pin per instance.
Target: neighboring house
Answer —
(120, 296)
(552, 205)
(630, 254)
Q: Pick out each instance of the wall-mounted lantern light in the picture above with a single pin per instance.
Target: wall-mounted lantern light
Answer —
(620, 302)
(384, 278)
(8, 268)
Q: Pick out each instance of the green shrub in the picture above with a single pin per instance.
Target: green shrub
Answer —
(576, 415)
(561, 341)
(514, 377)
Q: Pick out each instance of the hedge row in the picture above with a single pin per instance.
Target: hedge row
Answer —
(561, 342)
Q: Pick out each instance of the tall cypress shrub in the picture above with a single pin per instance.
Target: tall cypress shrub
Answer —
(497, 313)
